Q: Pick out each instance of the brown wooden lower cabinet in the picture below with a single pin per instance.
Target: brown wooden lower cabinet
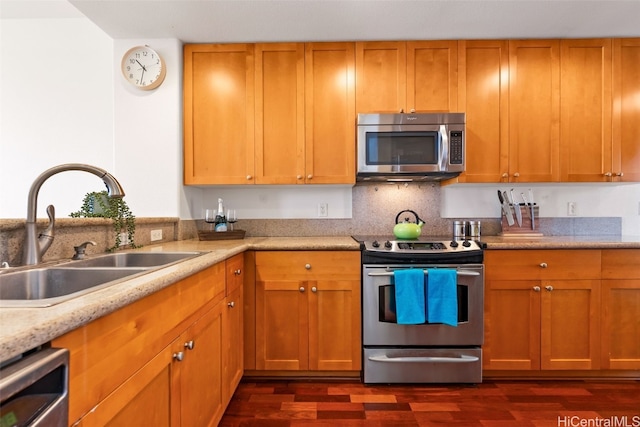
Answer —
(162, 360)
(307, 311)
(542, 310)
(620, 309)
(562, 311)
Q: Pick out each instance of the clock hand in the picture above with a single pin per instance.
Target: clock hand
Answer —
(143, 68)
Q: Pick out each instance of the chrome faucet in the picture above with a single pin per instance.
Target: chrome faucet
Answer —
(36, 245)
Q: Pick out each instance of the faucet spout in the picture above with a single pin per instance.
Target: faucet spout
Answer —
(36, 245)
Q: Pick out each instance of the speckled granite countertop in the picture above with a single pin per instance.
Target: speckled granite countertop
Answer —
(22, 329)
(562, 242)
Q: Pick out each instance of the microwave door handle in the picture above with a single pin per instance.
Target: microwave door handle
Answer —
(459, 273)
(426, 359)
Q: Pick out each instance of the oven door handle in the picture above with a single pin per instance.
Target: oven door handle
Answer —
(459, 273)
(462, 359)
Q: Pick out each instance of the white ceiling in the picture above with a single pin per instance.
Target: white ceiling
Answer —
(226, 21)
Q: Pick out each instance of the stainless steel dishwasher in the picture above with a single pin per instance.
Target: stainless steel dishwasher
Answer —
(34, 390)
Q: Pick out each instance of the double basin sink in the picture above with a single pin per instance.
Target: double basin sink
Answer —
(46, 286)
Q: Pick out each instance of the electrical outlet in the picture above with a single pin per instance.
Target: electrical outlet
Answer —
(572, 208)
(156, 235)
(323, 209)
(124, 239)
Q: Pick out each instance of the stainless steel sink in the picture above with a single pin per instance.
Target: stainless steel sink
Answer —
(46, 286)
(43, 287)
(133, 259)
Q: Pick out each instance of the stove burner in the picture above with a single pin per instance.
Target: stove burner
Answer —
(422, 245)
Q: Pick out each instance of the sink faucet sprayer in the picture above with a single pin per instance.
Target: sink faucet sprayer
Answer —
(36, 245)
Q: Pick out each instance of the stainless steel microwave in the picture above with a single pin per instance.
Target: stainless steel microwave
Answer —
(410, 147)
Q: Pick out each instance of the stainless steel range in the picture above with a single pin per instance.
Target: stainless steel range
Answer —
(423, 352)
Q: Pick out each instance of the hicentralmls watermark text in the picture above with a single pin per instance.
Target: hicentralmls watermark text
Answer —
(614, 421)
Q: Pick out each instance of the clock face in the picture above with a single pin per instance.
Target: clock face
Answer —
(143, 67)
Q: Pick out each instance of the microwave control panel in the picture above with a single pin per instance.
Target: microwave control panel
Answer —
(455, 147)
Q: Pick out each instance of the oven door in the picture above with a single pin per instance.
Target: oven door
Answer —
(379, 311)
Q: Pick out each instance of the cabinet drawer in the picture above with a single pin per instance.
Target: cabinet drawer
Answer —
(621, 264)
(542, 264)
(308, 265)
(235, 272)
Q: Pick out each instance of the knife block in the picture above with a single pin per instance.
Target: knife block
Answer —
(525, 230)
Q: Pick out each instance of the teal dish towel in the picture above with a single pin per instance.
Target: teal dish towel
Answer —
(442, 296)
(410, 296)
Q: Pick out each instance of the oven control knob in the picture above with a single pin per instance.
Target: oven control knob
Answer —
(387, 244)
(466, 243)
(375, 244)
(453, 244)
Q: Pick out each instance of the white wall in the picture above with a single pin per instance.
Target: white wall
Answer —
(62, 100)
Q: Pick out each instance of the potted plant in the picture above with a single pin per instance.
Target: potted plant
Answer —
(98, 204)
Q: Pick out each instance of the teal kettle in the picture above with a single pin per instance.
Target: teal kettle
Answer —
(408, 230)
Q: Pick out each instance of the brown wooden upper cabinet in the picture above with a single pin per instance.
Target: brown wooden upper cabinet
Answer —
(534, 111)
(483, 71)
(406, 76)
(626, 110)
(585, 120)
(510, 91)
(218, 114)
(305, 112)
(278, 113)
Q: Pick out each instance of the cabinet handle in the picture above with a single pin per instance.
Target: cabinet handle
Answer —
(536, 288)
(301, 288)
(516, 175)
(505, 175)
(178, 356)
(307, 266)
(249, 177)
(237, 272)
(314, 289)
(309, 176)
(543, 265)
(299, 177)
(549, 288)
(189, 345)
(413, 110)
(608, 174)
(231, 304)
(620, 174)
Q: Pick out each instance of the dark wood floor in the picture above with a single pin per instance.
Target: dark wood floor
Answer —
(490, 404)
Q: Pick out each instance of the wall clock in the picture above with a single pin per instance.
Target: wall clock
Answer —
(143, 67)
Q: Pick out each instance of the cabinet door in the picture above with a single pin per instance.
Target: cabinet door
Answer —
(620, 309)
(282, 325)
(200, 371)
(144, 399)
(218, 114)
(334, 325)
(570, 324)
(586, 110)
(484, 96)
(233, 348)
(381, 77)
(512, 325)
(432, 76)
(330, 144)
(626, 110)
(279, 117)
(534, 110)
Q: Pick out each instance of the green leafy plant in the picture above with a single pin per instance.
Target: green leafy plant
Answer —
(97, 204)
